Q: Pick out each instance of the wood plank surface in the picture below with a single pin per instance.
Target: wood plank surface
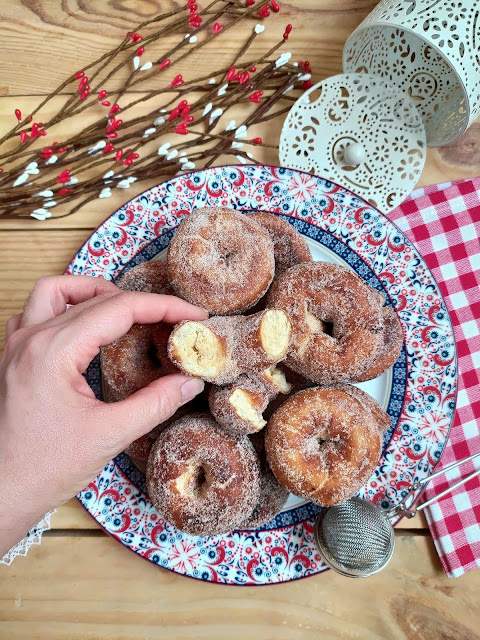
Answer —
(89, 588)
(33, 33)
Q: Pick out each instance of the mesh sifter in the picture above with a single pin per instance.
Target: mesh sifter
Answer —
(356, 538)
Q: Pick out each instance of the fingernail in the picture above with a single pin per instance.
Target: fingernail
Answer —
(192, 388)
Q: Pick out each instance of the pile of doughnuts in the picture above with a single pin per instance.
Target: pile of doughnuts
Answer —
(285, 338)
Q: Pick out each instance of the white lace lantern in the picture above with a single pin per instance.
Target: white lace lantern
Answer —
(411, 79)
(431, 50)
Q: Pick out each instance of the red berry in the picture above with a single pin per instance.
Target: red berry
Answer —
(181, 129)
(82, 83)
(176, 81)
(256, 96)
(64, 176)
(18, 115)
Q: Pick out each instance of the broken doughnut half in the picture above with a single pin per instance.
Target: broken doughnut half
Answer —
(238, 407)
(221, 348)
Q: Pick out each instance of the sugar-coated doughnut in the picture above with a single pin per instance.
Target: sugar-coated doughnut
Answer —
(221, 348)
(201, 479)
(337, 323)
(139, 449)
(273, 495)
(140, 356)
(294, 380)
(134, 360)
(150, 277)
(392, 345)
(323, 444)
(220, 260)
(380, 416)
(238, 407)
(290, 247)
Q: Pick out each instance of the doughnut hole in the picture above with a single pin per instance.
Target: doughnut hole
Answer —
(313, 322)
(195, 482)
(152, 355)
(246, 406)
(227, 256)
(198, 349)
(275, 334)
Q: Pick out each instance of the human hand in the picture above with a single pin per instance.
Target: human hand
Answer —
(55, 436)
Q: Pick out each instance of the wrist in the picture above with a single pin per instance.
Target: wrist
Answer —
(20, 510)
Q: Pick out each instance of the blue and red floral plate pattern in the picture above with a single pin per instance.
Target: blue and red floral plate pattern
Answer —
(418, 393)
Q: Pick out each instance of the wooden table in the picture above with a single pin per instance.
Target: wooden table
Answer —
(81, 584)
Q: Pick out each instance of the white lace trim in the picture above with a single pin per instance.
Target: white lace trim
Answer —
(34, 536)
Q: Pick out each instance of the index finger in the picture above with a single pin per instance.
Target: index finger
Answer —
(110, 319)
(51, 294)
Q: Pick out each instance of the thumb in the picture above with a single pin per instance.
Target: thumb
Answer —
(153, 404)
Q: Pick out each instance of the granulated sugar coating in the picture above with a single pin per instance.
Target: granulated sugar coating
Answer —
(201, 479)
(392, 345)
(134, 360)
(140, 356)
(382, 418)
(336, 319)
(323, 444)
(219, 349)
(150, 277)
(238, 407)
(273, 495)
(289, 245)
(295, 383)
(140, 448)
(220, 260)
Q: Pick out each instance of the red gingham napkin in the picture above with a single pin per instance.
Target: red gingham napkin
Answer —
(443, 222)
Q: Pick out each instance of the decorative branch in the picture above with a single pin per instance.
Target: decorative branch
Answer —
(114, 152)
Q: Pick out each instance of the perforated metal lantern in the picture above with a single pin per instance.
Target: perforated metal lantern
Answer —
(358, 130)
(431, 50)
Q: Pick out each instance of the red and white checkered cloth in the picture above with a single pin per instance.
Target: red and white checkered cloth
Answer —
(443, 222)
